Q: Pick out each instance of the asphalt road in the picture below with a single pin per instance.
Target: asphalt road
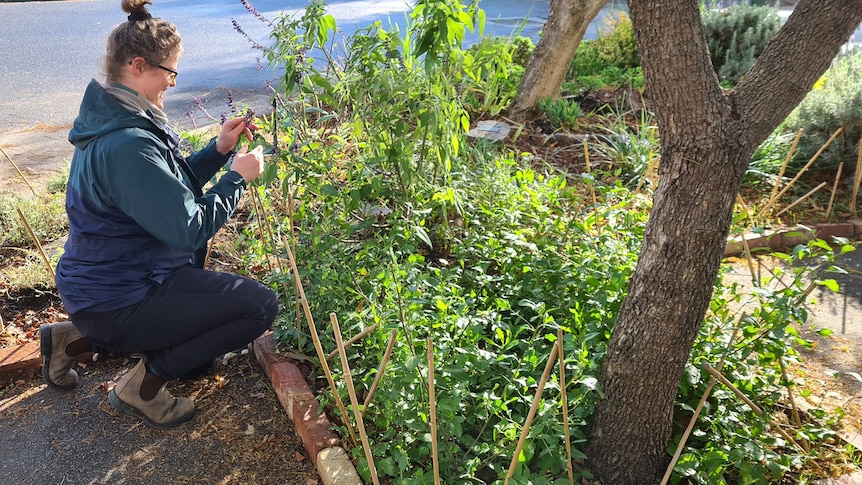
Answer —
(49, 51)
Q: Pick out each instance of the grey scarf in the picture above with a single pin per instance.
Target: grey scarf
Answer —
(135, 102)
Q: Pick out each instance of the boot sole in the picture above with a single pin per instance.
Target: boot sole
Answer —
(45, 339)
(123, 407)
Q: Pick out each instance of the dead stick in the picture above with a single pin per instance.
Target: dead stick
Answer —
(784, 165)
(432, 400)
(565, 404)
(806, 167)
(353, 339)
(317, 345)
(20, 174)
(834, 190)
(380, 370)
(809, 194)
(348, 378)
(532, 413)
(698, 409)
(38, 244)
(754, 407)
(857, 178)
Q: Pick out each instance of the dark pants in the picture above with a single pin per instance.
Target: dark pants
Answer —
(193, 317)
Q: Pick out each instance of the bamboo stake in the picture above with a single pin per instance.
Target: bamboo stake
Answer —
(698, 409)
(750, 260)
(809, 194)
(742, 204)
(532, 413)
(834, 189)
(432, 400)
(317, 345)
(589, 170)
(784, 165)
(290, 228)
(793, 407)
(754, 407)
(772, 201)
(857, 178)
(20, 174)
(353, 340)
(261, 217)
(564, 403)
(38, 244)
(353, 400)
(380, 371)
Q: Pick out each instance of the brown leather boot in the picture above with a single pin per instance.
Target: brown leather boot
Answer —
(162, 411)
(61, 344)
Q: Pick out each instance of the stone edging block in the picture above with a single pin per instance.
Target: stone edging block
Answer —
(313, 428)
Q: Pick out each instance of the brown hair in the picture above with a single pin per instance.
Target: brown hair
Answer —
(142, 36)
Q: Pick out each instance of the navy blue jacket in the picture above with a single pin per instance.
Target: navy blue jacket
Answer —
(135, 206)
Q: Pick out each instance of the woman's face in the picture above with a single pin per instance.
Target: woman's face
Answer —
(153, 81)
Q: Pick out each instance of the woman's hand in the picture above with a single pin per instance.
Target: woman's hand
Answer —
(248, 164)
(231, 130)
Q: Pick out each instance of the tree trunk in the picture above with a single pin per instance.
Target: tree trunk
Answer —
(707, 138)
(546, 70)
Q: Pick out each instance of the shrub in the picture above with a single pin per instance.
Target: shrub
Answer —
(736, 36)
(835, 102)
(611, 60)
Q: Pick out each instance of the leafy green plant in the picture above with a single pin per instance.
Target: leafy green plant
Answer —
(45, 214)
(399, 222)
(610, 61)
(562, 113)
(633, 150)
(736, 36)
(835, 102)
(499, 66)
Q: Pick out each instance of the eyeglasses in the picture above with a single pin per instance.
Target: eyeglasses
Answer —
(173, 76)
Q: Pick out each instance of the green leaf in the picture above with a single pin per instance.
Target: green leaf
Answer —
(830, 283)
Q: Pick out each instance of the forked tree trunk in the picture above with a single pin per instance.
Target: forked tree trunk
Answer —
(707, 137)
(546, 70)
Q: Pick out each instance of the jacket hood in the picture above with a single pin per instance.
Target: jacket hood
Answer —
(102, 113)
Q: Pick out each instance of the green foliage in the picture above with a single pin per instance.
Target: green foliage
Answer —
(736, 36)
(46, 215)
(768, 158)
(563, 113)
(834, 102)
(398, 221)
(720, 448)
(633, 151)
(495, 66)
(609, 61)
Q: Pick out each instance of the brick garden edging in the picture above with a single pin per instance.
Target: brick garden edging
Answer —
(313, 428)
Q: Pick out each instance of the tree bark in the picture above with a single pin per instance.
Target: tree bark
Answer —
(708, 135)
(546, 70)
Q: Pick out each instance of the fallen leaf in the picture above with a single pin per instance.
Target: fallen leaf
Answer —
(258, 395)
(298, 456)
(249, 430)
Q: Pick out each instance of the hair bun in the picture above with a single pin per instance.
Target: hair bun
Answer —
(138, 15)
